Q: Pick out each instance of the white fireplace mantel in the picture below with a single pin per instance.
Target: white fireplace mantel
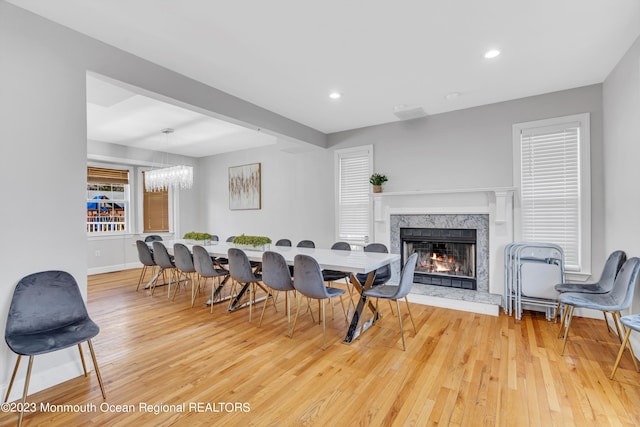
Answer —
(496, 202)
(502, 197)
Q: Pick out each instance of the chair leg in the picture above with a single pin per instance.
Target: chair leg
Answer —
(176, 287)
(622, 346)
(141, 279)
(13, 377)
(616, 316)
(620, 328)
(404, 348)
(26, 390)
(264, 307)
(563, 320)
(346, 319)
(213, 288)
(324, 323)
(566, 334)
(406, 300)
(95, 365)
(295, 319)
(84, 366)
(606, 322)
(287, 302)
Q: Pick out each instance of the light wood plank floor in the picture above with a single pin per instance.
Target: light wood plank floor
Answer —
(459, 369)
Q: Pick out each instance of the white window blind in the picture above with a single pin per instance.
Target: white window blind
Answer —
(550, 188)
(353, 215)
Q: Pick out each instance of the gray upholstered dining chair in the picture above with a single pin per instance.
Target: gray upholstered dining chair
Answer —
(603, 285)
(166, 263)
(183, 259)
(617, 299)
(153, 238)
(632, 323)
(383, 274)
(46, 314)
(283, 242)
(394, 293)
(275, 274)
(145, 255)
(331, 276)
(308, 281)
(205, 267)
(306, 244)
(241, 272)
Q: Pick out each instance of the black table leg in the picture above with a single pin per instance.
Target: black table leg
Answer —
(353, 332)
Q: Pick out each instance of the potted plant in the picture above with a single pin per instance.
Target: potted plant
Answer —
(377, 180)
(259, 243)
(198, 238)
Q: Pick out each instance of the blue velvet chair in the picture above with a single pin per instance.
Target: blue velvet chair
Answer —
(166, 263)
(603, 285)
(394, 293)
(275, 274)
(183, 259)
(46, 314)
(241, 272)
(632, 323)
(330, 276)
(145, 255)
(306, 244)
(617, 299)
(383, 274)
(206, 268)
(308, 281)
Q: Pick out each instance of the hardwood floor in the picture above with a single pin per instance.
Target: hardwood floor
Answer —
(459, 369)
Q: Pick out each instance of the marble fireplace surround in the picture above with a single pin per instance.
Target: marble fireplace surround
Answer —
(478, 222)
(488, 211)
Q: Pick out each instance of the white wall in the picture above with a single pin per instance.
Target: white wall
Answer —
(473, 148)
(44, 152)
(43, 165)
(118, 252)
(297, 195)
(621, 103)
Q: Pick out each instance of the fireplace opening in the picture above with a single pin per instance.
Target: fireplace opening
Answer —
(446, 256)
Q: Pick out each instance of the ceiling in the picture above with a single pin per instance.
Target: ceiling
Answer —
(121, 116)
(287, 55)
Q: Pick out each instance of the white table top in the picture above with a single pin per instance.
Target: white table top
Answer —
(331, 259)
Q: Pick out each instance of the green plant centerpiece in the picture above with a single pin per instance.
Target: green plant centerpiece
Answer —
(252, 242)
(377, 180)
(198, 237)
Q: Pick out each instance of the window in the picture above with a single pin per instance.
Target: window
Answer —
(552, 172)
(353, 215)
(155, 209)
(107, 200)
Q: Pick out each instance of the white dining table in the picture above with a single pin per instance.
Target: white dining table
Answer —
(353, 262)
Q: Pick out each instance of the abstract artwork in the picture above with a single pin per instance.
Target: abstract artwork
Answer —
(244, 187)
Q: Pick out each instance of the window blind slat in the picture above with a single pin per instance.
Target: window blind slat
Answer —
(353, 196)
(550, 188)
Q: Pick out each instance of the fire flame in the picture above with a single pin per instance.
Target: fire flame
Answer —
(439, 264)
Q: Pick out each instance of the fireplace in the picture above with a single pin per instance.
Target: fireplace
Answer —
(446, 256)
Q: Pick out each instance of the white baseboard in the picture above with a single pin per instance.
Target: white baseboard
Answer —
(112, 268)
(42, 378)
(470, 306)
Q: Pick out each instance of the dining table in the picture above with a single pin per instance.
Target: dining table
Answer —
(353, 262)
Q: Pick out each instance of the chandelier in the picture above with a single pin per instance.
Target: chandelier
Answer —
(180, 176)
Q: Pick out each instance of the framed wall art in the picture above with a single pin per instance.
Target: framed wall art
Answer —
(244, 187)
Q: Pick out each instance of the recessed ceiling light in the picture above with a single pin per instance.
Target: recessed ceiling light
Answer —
(492, 53)
(452, 95)
(335, 95)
